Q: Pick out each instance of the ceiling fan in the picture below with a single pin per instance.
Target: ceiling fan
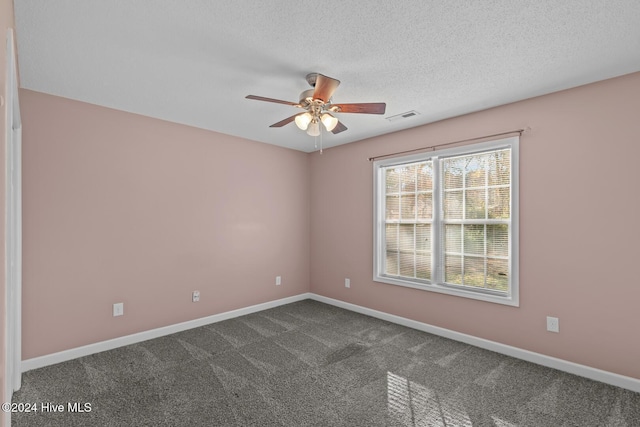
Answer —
(318, 107)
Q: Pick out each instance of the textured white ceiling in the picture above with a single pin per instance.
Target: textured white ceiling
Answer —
(194, 61)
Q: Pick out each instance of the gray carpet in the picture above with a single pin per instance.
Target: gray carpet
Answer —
(312, 364)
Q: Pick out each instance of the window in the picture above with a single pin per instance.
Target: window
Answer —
(447, 221)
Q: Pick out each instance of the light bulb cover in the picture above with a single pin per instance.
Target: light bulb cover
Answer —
(329, 121)
(303, 120)
(313, 129)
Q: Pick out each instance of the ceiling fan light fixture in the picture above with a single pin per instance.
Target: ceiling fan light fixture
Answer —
(314, 128)
(303, 120)
(329, 121)
(318, 107)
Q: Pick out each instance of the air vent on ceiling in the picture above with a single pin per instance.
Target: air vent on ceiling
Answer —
(402, 116)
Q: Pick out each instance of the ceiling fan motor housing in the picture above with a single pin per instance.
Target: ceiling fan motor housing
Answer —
(306, 97)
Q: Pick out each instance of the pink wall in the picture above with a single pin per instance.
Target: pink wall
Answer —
(124, 208)
(6, 21)
(579, 233)
(119, 207)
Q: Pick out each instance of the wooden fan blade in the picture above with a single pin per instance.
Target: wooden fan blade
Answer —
(285, 121)
(365, 108)
(325, 86)
(339, 128)
(278, 101)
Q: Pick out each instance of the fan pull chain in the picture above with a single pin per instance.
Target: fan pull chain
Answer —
(315, 141)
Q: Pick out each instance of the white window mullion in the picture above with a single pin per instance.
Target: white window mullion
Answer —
(485, 256)
(415, 221)
(484, 227)
(398, 249)
(415, 255)
(398, 241)
(462, 231)
(486, 193)
(464, 219)
(437, 258)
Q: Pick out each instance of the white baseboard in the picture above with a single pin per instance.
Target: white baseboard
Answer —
(606, 377)
(74, 353)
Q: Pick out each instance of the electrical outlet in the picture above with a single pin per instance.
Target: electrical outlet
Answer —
(195, 296)
(118, 309)
(278, 280)
(347, 283)
(553, 324)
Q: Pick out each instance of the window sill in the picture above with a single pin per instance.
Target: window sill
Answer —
(448, 290)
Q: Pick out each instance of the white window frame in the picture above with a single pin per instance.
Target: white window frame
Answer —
(511, 297)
